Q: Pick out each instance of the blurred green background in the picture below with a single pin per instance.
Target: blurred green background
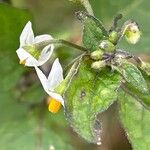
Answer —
(25, 122)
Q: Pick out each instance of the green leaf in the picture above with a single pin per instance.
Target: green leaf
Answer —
(88, 94)
(136, 121)
(93, 31)
(136, 83)
(145, 97)
(133, 77)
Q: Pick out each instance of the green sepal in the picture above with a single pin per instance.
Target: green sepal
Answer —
(89, 94)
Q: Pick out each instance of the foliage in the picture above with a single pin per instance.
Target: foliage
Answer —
(133, 82)
(135, 119)
(24, 118)
(86, 97)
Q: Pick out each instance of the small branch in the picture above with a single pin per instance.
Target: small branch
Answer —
(115, 22)
(74, 60)
(63, 42)
(87, 6)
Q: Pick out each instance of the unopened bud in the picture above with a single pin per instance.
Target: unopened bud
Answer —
(107, 46)
(98, 65)
(132, 32)
(113, 37)
(97, 55)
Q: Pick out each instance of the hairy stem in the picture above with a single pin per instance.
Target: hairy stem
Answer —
(115, 22)
(87, 6)
(63, 42)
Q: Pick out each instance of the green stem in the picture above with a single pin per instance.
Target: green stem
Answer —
(74, 60)
(87, 6)
(63, 42)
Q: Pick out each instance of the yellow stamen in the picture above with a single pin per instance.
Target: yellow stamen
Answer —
(23, 62)
(54, 105)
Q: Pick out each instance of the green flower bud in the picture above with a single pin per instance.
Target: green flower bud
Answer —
(107, 46)
(98, 65)
(97, 55)
(132, 32)
(113, 37)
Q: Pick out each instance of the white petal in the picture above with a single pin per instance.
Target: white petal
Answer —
(43, 79)
(56, 96)
(27, 35)
(47, 50)
(45, 54)
(45, 83)
(56, 75)
(24, 55)
(41, 38)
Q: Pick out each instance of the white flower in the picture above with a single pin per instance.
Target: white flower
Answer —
(27, 39)
(53, 80)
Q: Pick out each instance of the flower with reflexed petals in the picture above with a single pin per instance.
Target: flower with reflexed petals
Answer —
(28, 53)
(50, 83)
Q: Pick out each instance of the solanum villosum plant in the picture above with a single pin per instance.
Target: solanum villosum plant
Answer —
(101, 75)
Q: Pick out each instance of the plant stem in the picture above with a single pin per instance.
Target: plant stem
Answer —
(87, 6)
(115, 22)
(74, 60)
(63, 42)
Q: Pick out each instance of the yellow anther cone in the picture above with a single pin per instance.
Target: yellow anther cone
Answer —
(54, 105)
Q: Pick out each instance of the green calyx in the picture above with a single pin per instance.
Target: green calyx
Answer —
(33, 50)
